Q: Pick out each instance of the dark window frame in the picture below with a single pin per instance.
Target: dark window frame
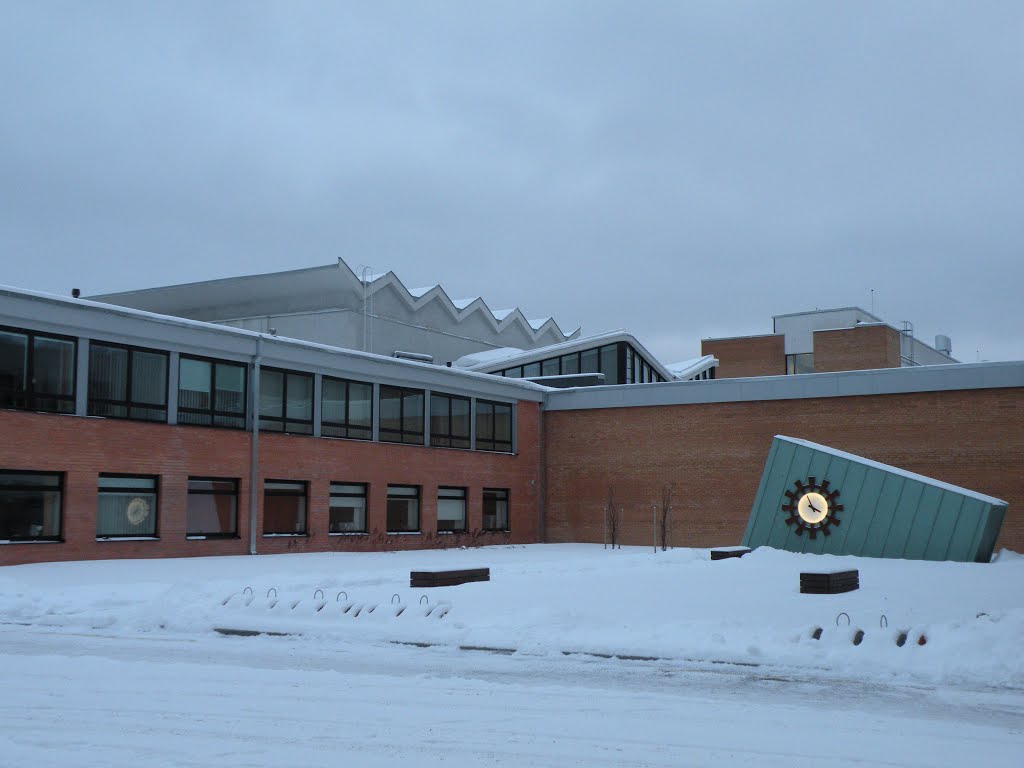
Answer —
(347, 425)
(493, 444)
(290, 494)
(128, 404)
(60, 489)
(365, 496)
(508, 509)
(447, 439)
(402, 433)
(30, 397)
(288, 425)
(419, 508)
(189, 492)
(213, 412)
(465, 508)
(154, 491)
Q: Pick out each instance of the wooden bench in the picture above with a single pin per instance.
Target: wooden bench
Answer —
(829, 583)
(724, 554)
(423, 579)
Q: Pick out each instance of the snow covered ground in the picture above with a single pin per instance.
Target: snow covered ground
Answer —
(119, 662)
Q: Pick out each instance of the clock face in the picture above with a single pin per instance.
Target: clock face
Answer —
(812, 507)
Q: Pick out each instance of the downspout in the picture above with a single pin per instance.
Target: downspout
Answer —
(254, 459)
(542, 514)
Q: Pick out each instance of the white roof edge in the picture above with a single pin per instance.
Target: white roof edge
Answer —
(895, 470)
(829, 309)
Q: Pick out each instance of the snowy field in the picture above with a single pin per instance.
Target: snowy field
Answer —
(570, 656)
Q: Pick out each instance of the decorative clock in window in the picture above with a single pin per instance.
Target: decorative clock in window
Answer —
(812, 507)
(137, 511)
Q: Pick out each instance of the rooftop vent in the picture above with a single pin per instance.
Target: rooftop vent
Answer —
(419, 357)
(944, 345)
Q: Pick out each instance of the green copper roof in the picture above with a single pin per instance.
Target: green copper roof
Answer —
(861, 507)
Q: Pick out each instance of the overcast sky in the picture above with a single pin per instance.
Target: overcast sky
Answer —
(681, 170)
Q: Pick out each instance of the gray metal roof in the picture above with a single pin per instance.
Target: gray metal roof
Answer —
(883, 381)
(66, 316)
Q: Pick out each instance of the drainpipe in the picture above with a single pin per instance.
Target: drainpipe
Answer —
(254, 459)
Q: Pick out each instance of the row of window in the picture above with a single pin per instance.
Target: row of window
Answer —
(619, 362)
(31, 503)
(37, 372)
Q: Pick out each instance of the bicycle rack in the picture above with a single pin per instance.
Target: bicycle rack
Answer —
(844, 613)
(320, 592)
(338, 598)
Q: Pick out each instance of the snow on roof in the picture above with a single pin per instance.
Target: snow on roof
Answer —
(463, 303)
(894, 470)
(687, 369)
(501, 314)
(487, 356)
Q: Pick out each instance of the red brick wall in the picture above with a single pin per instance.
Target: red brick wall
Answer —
(713, 456)
(82, 448)
(747, 355)
(858, 348)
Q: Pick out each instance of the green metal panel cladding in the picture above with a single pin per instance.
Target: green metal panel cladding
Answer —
(816, 499)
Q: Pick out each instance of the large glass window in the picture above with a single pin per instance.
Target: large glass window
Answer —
(127, 383)
(348, 508)
(451, 510)
(211, 392)
(286, 401)
(493, 426)
(401, 415)
(403, 509)
(30, 505)
(449, 421)
(570, 364)
(630, 366)
(802, 363)
(284, 508)
(610, 363)
(37, 372)
(346, 409)
(496, 509)
(212, 507)
(127, 507)
(549, 367)
(590, 361)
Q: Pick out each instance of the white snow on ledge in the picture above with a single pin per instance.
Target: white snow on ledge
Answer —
(895, 470)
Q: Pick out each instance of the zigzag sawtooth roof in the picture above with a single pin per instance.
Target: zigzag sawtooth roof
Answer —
(311, 288)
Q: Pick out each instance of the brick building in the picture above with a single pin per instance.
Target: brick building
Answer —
(823, 341)
(129, 434)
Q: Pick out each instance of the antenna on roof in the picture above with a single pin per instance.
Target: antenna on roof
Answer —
(872, 301)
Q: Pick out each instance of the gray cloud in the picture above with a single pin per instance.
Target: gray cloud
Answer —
(679, 170)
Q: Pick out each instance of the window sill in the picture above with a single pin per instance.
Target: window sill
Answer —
(285, 535)
(404, 533)
(212, 536)
(349, 533)
(452, 533)
(497, 530)
(31, 541)
(127, 538)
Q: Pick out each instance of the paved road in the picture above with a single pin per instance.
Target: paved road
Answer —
(95, 699)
